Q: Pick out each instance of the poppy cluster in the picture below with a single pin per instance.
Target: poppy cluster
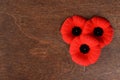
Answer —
(86, 37)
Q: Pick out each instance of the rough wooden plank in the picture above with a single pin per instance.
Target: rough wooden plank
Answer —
(31, 47)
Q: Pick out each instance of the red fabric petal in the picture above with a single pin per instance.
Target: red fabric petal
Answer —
(108, 35)
(85, 59)
(89, 27)
(100, 21)
(96, 21)
(69, 23)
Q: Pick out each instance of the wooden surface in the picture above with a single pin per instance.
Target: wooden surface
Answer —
(31, 47)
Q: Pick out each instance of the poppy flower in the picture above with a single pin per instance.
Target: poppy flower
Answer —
(99, 28)
(72, 27)
(85, 50)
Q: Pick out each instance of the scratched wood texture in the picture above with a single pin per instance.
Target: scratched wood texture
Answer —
(31, 47)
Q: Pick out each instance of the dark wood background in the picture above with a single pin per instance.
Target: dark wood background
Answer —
(31, 47)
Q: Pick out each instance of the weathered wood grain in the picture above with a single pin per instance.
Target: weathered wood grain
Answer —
(31, 47)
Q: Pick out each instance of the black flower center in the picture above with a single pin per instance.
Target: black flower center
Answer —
(98, 31)
(84, 48)
(76, 31)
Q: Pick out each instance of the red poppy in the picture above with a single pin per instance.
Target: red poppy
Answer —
(85, 50)
(99, 28)
(72, 27)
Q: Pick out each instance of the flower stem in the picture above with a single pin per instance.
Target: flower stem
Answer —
(84, 68)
